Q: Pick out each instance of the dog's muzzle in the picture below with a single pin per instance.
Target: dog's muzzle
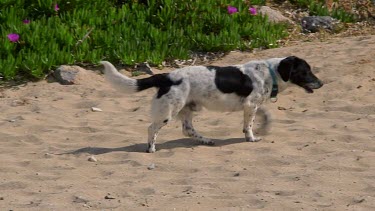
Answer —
(313, 85)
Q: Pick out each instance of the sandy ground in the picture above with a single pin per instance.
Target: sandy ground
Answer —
(319, 155)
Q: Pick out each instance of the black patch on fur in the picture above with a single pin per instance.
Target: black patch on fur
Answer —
(232, 80)
(161, 81)
(298, 71)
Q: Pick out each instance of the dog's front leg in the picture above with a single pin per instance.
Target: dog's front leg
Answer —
(249, 116)
(153, 131)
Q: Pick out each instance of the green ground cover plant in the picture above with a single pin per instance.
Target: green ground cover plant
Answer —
(38, 35)
(318, 7)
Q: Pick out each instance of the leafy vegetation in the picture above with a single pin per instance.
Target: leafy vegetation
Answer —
(318, 7)
(51, 33)
(38, 35)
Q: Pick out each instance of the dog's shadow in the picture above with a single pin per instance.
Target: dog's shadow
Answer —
(179, 143)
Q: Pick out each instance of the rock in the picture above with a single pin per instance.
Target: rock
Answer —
(21, 102)
(274, 15)
(48, 155)
(108, 196)
(92, 159)
(86, 205)
(15, 119)
(94, 109)
(144, 67)
(315, 23)
(68, 75)
(281, 108)
(80, 199)
(151, 166)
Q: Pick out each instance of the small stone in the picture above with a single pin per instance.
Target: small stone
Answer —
(151, 166)
(17, 118)
(16, 103)
(108, 196)
(144, 67)
(94, 109)
(281, 108)
(92, 159)
(80, 199)
(236, 174)
(357, 201)
(1, 198)
(67, 75)
(315, 23)
(274, 15)
(48, 155)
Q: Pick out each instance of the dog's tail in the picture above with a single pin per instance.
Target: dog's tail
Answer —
(118, 80)
(130, 85)
(265, 125)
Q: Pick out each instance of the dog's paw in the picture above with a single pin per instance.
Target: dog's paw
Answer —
(254, 139)
(151, 149)
(208, 142)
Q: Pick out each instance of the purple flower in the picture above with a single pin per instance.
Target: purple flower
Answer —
(56, 8)
(253, 10)
(26, 21)
(232, 10)
(13, 37)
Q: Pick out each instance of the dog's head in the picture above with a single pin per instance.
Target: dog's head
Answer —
(298, 72)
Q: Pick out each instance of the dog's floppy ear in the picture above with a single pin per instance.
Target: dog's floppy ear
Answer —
(286, 66)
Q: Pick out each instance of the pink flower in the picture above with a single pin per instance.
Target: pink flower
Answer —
(56, 8)
(26, 21)
(232, 10)
(13, 37)
(253, 10)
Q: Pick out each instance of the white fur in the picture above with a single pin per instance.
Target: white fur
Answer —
(117, 80)
(198, 90)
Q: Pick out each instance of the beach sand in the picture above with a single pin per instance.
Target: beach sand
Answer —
(319, 154)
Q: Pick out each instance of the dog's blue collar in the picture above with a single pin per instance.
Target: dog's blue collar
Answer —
(275, 87)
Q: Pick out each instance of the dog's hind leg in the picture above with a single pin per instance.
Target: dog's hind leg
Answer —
(163, 110)
(186, 116)
(249, 116)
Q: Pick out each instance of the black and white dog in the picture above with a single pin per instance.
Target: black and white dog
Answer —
(231, 88)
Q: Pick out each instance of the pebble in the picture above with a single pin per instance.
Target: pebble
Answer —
(281, 108)
(92, 159)
(94, 109)
(151, 166)
(80, 199)
(48, 155)
(108, 196)
(17, 118)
